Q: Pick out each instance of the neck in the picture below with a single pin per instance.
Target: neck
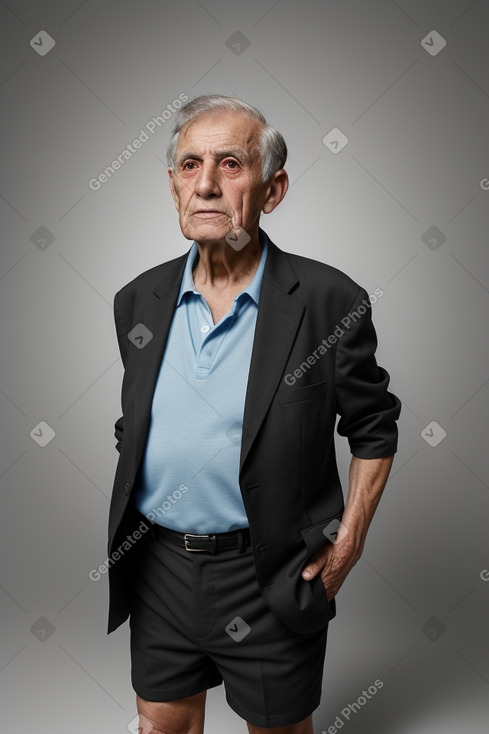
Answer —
(221, 266)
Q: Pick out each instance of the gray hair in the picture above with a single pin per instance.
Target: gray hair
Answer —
(272, 147)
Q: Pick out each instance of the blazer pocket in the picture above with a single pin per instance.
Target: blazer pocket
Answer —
(300, 394)
(316, 536)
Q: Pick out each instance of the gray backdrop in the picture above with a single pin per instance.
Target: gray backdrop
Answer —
(403, 206)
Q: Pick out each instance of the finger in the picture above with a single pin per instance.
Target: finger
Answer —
(318, 562)
(314, 567)
(310, 571)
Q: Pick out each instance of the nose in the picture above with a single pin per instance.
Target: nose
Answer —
(206, 183)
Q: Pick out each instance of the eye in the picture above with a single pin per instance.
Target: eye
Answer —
(188, 165)
(233, 165)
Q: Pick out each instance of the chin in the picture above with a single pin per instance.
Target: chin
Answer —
(205, 233)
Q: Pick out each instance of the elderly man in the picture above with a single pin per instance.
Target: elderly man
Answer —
(228, 535)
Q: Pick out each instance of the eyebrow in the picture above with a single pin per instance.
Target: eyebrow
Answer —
(219, 155)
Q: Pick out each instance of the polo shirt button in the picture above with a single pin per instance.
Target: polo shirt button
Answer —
(205, 328)
(127, 488)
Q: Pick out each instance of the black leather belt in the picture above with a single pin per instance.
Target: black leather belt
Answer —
(237, 540)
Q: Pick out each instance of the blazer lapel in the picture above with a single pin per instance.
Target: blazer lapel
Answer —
(157, 318)
(279, 316)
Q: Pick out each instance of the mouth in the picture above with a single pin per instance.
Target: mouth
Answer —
(208, 213)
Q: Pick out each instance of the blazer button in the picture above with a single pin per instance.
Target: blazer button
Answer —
(127, 488)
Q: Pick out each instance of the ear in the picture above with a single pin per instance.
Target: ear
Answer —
(171, 181)
(276, 191)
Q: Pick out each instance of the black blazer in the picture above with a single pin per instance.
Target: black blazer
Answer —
(288, 475)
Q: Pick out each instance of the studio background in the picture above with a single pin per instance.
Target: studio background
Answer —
(402, 206)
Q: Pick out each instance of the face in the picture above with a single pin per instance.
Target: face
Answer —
(217, 180)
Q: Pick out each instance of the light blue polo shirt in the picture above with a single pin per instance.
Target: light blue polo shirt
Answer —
(189, 475)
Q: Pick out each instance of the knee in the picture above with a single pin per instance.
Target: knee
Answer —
(161, 725)
(185, 716)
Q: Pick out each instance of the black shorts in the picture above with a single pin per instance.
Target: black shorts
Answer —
(199, 619)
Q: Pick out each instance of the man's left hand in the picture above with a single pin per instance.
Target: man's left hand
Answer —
(334, 562)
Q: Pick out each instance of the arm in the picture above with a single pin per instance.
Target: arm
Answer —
(368, 414)
(367, 479)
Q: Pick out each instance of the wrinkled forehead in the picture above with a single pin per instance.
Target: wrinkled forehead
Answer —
(215, 131)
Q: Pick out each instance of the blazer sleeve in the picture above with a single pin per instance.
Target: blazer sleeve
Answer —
(122, 340)
(367, 410)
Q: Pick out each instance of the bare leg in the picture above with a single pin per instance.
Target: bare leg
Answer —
(185, 716)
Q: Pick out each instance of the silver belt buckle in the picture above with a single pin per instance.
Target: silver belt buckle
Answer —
(187, 539)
